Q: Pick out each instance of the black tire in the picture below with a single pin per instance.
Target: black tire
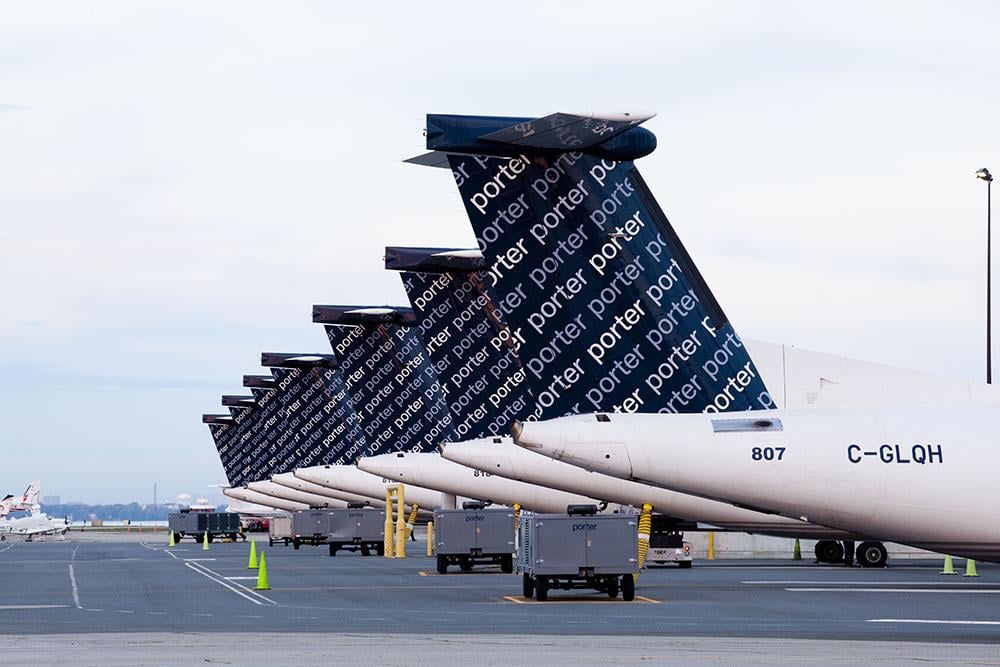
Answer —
(685, 564)
(442, 565)
(507, 564)
(365, 551)
(232, 536)
(541, 589)
(464, 565)
(333, 550)
(270, 542)
(211, 538)
(829, 551)
(628, 588)
(296, 544)
(527, 586)
(872, 554)
(380, 549)
(612, 585)
(3, 538)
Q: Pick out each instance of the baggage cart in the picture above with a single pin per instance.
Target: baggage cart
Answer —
(474, 535)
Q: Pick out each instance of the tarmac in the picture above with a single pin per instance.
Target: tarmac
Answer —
(128, 599)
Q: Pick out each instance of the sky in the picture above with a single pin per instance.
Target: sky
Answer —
(181, 181)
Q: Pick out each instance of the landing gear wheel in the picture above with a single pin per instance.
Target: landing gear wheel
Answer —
(442, 565)
(872, 554)
(507, 564)
(333, 550)
(527, 585)
(829, 551)
(612, 587)
(628, 588)
(465, 566)
(541, 589)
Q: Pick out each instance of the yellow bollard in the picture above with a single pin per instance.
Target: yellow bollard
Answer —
(645, 527)
(430, 538)
(262, 583)
(797, 550)
(204, 542)
(970, 568)
(252, 565)
(172, 542)
(387, 531)
(949, 566)
(711, 545)
(400, 523)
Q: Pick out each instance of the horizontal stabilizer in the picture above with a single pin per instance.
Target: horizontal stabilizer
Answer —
(237, 401)
(216, 419)
(297, 360)
(562, 132)
(265, 381)
(433, 260)
(437, 159)
(362, 315)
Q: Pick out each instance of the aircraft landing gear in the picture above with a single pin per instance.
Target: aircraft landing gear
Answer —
(829, 551)
(872, 554)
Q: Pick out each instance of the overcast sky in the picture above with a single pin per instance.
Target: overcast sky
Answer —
(181, 181)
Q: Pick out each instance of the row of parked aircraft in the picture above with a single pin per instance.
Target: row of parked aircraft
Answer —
(578, 356)
(35, 524)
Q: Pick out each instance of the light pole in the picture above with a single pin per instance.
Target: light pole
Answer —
(985, 175)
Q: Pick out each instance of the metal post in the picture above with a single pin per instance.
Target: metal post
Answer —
(387, 530)
(989, 332)
(400, 523)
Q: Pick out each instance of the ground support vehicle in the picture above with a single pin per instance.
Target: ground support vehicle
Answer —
(279, 529)
(357, 528)
(474, 535)
(311, 527)
(194, 523)
(579, 549)
(667, 545)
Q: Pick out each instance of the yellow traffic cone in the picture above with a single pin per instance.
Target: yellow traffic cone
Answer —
(204, 542)
(252, 565)
(949, 566)
(172, 542)
(970, 568)
(262, 584)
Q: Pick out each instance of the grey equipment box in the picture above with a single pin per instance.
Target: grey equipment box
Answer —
(196, 524)
(311, 527)
(474, 535)
(357, 528)
(580, 549)
(279, 529)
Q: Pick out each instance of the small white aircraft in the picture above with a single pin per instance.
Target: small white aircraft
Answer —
(25, 501)
(36, 524)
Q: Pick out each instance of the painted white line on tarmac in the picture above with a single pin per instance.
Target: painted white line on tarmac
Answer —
(245, 593)
(7, 548)
(14, 607)
(806, 582)
(242, 578)
(969, 591)
(197, 560)
(76, 591)
(929, 621)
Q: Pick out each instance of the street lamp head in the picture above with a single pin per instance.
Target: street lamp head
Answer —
(984, 175)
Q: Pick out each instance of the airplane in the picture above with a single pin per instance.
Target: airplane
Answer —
(264, 500)
(352, 479)
(25, 501)
(36, 524)
(921, 477)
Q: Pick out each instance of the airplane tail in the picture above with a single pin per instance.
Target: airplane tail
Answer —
(32, 494)
(616, 315)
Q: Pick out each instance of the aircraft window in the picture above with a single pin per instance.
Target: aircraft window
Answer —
(601, 417)
(743, 425)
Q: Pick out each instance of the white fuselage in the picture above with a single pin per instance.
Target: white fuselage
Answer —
(290, 481)
(269, 488)
(351, 479)
(264, 500)
(431, 471)
(502, 457)
(923, 477)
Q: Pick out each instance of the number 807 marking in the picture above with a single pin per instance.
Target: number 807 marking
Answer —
(767, 453)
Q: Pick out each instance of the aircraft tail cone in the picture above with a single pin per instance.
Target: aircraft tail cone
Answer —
(204, 542)
(970, 568)
(262, 584)
(797, 551)
(173, 541)
(252, 565)
(949, 566)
